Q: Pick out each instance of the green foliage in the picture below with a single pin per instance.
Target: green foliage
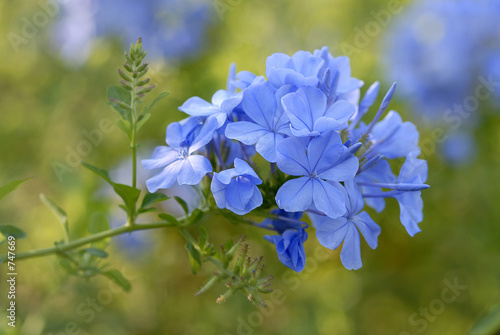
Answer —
(58, 212)
(9, 230)
(11, 186)
(149, 200)
(489, 324)
(129, 194)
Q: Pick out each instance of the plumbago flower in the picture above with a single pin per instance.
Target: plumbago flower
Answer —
(306, 121)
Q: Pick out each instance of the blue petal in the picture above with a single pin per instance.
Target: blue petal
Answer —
(193, 169)
(351, 249)
(291, 157)
(411, 206)
(238, 193)
(259, 103)
(336, 117)
(219, 191)
(166, 178)
(295, 195)
(393, 138)
(331, 232)
(324, 151)
(353, 192)
(266, 146)
(344, 168)
(212, 123)
(368, 228)
(413, 167)
(196, 106)
(243, 168)
(161, 157)
(328, 199)
(245, 132)
(304, 107)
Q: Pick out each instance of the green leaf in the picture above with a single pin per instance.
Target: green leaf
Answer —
(58, 212)
(489, 324)
(146, 210)
(169, 218)
(142, 121)
(8, 230)
(183, 204)
(204, 233)
(194, 258)
(118, 279)
(128, 193)
(196, 216)
(124, 125)
(155, 101)
(68, 266)
(96, 252)
(120, 94)
(152, 198)
(3, 258)
(11, 186)
(100, 172)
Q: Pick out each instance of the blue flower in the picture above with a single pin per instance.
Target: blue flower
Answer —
(236, 189)
(323, 158)
(332, 232)
(223, 103)
(177, 160)
(393, 138)
(413, 171)
(299, 70)
(268, 124)
(309, 114)
(290, 248)
(379, 173)
(335, 77)
(285, 221)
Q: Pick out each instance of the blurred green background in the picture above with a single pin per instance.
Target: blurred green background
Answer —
(45, 105)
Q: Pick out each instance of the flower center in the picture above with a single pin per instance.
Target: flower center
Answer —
(183, 154)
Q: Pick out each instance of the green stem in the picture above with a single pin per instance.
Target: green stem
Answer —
(89, 239)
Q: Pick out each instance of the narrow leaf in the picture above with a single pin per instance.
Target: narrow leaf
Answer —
(96, 252)
(194, 258)
(183, 204)
(118, 279)
(124, 125)
(8, 230)
(169, 218)
(11, 186)
(58, 212)
(196, 216)
(152, 198)
(100, 172)
(156, 100)
(142, 121)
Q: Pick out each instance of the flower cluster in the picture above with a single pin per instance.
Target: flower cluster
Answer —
(445, 55)
(305, 120)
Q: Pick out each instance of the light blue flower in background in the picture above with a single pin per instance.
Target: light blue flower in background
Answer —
(171, 29)
(236, 189)
(332, 232)
(290, 248)
(323, 159)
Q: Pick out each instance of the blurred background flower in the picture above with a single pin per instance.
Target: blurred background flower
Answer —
(438, 51)
(174, 29)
